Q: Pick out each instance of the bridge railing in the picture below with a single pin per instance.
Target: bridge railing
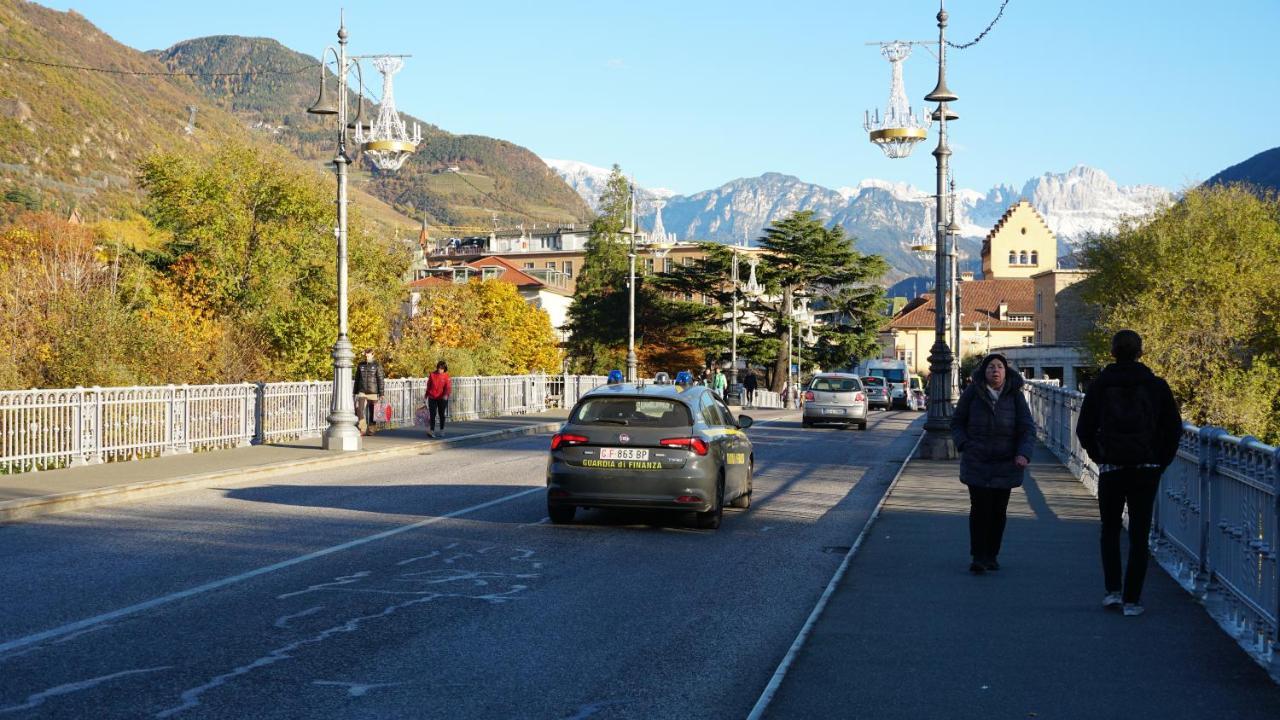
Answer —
(765, 399)
(45, 429)
(1215, 524)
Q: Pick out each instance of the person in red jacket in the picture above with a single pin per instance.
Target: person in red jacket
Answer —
(439, 388)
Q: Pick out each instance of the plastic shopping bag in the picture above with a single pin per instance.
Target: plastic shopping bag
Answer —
(382, 411)
(422, 416)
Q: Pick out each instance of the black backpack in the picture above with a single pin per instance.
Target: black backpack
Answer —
(1126, 427)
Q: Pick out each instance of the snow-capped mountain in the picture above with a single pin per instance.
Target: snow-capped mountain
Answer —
(589, 181)
(887, 217)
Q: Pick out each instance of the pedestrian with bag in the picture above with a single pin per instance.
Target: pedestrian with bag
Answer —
(995, 435)
(370, 388)
(439, 389)
(1130, 426)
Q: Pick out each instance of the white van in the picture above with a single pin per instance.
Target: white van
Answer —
(895, 373)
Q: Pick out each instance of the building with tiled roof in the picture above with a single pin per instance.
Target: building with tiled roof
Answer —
(546, 289)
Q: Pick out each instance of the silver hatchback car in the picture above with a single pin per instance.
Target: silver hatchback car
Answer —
(835, 398)
(659, 447)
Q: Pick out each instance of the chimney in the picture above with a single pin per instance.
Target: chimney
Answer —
(1004, 311)
(966, 276)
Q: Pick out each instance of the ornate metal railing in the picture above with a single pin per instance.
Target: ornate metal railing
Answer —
(1215, 525)
(44, 429)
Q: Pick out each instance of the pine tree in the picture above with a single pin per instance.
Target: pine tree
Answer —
(597, 320)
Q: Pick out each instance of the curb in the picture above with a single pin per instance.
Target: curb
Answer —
(775, 681)
(27, 508)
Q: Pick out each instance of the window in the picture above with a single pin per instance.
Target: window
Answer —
(1022, 259)
(1028, 340)
(528, 266)
(1039, 302)
(551, 264)
(648, 265)
(711, 413)
(835, 384)
(490, 273)
(667, 265)
(1013, 258)
(1035, 257)
(568, 268)
(632, 411)
(686, 261)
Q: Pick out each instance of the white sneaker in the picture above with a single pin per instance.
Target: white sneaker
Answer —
(1133, 609)
(1112, 600)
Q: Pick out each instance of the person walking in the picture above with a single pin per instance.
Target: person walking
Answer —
(749, 383)
(439, 389)
(995, 434)
(719, 383)
(1130, 426)
(370, 388)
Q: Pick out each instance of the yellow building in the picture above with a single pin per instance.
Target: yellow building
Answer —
(997, 311)
(1020, 245)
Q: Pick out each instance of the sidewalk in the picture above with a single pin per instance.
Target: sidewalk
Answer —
(910, 633)
(31, 494)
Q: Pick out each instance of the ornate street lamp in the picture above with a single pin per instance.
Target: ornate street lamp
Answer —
(342, 433)
(937, 443)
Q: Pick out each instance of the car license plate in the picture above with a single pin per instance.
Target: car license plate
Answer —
(833, 411)
(624, 454)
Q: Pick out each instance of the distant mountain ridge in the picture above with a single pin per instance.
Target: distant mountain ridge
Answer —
(492, 176)
(886, 217)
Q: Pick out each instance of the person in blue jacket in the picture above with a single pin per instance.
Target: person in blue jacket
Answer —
(995, 435)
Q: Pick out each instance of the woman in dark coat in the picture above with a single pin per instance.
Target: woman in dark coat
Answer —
(994, 432)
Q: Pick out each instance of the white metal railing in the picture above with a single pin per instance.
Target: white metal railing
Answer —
(1215, 524)
(44, 429)
(766, 400)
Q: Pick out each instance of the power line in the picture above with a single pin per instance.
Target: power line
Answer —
(151, 73)
(984, 32)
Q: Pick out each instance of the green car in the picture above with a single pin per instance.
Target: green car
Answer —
(654, 447)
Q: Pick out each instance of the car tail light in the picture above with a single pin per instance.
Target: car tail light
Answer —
(690, 443)
(859, 397)
(808, 395)
(560, 440)
(688, 499)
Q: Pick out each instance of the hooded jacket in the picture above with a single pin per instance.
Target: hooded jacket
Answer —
(990, 433)
(1166, 426)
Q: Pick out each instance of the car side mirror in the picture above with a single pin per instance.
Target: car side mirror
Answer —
(744, 422)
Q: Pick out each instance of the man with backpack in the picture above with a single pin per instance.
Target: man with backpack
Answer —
(1130, 426)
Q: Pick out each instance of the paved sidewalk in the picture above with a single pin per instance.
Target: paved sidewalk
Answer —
(910, 633)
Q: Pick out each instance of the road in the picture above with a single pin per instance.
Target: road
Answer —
(430, 587)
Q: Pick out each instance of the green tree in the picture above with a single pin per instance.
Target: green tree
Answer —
(1198, 282)
(802, 258)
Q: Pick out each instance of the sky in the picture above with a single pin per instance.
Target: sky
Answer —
(689, 95)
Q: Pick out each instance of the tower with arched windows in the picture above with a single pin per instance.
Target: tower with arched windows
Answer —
(1020, 245)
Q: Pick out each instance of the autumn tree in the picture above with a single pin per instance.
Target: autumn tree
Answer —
(1198, 281)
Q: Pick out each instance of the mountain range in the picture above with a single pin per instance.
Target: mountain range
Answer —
(78, 111)
(1261, 171)
(885, 218)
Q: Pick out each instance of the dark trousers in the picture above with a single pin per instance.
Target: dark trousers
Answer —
(751, 395)
(987, 509)
(1135, 487)
(437, 407)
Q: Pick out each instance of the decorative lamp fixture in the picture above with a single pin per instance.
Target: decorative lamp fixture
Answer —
(388, 143)
(900, 129)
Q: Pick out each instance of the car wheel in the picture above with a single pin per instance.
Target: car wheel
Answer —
(561, 514)
(710, 520)
(862, 425)
(806, 423)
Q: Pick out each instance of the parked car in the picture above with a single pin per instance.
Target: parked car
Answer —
(877, 392)
(835, 398)
(656, 447)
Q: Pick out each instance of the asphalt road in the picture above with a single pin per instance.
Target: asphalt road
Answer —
(430, 587)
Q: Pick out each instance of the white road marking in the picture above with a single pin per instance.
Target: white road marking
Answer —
(38, 698)
(340, 580)
(428, 556)
(282, 622)
(355, 689)
(775, 682)
(234, 579)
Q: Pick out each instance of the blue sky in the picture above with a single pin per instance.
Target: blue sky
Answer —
(688, 95)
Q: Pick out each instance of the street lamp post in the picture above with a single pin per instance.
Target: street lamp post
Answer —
(388, 145)
(630, 229)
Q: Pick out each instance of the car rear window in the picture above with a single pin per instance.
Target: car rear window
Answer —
(645, 412)
(894, 375)
(873, 381)
(834, 384)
